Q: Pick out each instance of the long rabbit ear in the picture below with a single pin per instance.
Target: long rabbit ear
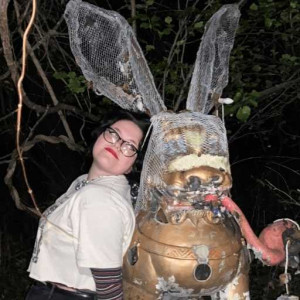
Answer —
(109, 56)
(211, 67)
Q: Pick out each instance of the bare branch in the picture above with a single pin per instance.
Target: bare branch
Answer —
(26, 147)
(133, 14)
(14, 73)
(8, 115)
(186, 81)
(268, 106)
(276, 88)
(45, 80)
(6, 43)
(60, 106)
(5, 75)
(30, 135)
(290, 200)
(181, 29)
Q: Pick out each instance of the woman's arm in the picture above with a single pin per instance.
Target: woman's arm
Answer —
(108, 283)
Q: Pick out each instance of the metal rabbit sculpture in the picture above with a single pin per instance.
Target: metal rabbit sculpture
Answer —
(191, 239)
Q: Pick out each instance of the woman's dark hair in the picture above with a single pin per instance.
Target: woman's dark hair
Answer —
(141, 120)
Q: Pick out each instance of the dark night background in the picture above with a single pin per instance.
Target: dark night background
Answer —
(262, 123)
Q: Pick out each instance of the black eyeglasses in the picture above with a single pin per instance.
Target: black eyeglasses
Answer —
(112, 137)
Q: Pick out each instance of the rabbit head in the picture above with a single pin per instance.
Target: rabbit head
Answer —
(187, 155)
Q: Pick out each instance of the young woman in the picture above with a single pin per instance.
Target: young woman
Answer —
(83, 236)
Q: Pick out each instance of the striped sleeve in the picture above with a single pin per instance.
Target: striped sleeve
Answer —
(108, 283)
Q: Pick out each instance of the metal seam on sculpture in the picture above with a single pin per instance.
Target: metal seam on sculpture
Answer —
(187, 253)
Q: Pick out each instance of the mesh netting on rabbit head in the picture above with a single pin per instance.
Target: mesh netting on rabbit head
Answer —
(181, 142)
(110, 57)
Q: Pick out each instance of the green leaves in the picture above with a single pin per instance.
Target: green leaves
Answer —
(168, 20)
(265, 52)
(198, 25)
(254, 7)
(243, 113)
(268, 22)
(145, 25)
(60, 75)
(256, 68)
(76, 84)
(166, 31)
(243, 101)
(293, 4)
(287, 58)
(149, 2)
(149, 48)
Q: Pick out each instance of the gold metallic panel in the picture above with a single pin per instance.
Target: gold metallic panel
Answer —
(165, 250)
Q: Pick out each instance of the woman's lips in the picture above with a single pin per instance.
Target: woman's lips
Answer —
(112, 152)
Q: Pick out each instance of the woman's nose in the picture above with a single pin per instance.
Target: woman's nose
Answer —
(118, 144)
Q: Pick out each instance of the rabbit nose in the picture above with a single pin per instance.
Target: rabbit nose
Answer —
(203, 176)
(197, 178)
(194, 182)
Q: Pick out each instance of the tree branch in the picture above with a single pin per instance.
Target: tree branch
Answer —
(133, 14)
(45, 79)
(263, 95)
(186, 81)
(276, 88)
(14, 73)
(6, 43)
(26, 147)
(5, 75)
(8, 115)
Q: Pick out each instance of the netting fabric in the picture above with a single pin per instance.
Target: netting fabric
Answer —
(181, 142)
(109, 56)
(211, 68)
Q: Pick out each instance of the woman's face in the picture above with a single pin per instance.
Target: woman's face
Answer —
(108, 158)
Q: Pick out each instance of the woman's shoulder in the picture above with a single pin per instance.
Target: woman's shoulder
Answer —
(111, 184)
(112, 190)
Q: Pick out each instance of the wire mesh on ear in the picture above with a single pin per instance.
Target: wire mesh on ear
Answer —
(210, 75)
(109, 56)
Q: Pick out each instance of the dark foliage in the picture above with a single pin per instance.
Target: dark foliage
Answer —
(263, 123)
